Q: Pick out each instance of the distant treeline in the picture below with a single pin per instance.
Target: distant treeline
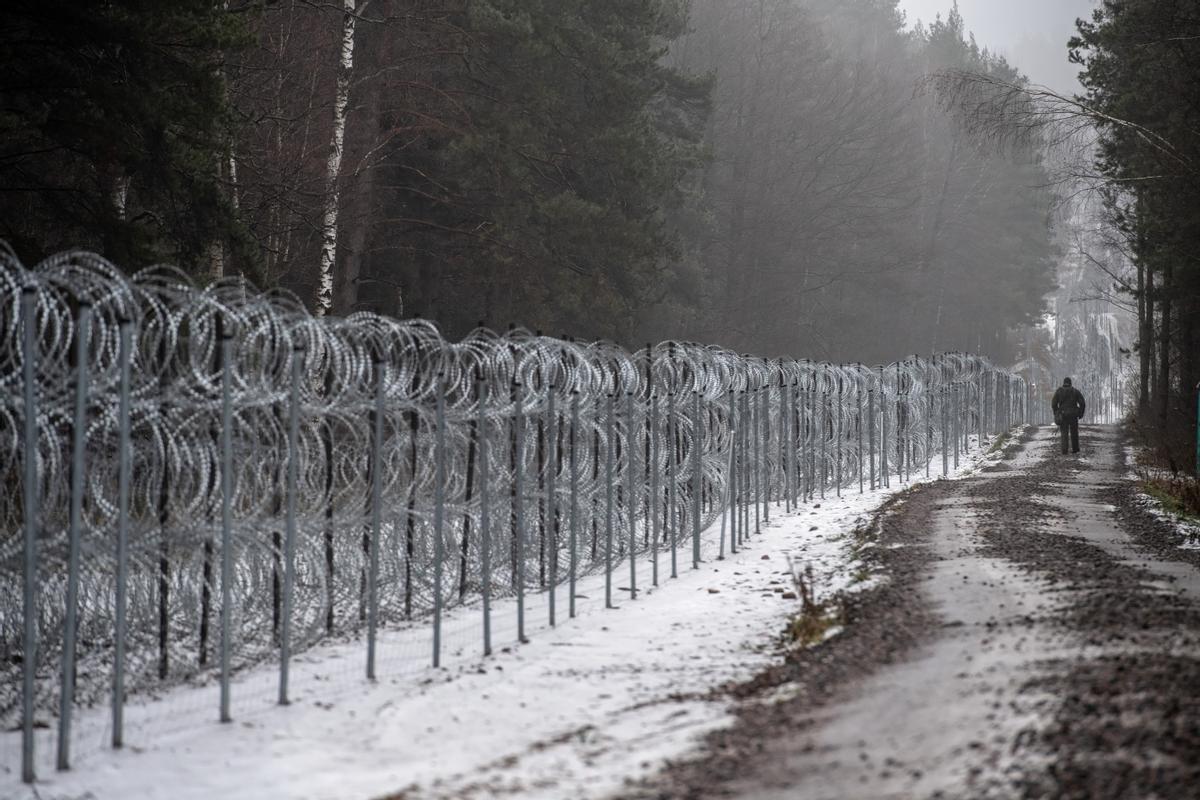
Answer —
(1141, 61)
(765, 175)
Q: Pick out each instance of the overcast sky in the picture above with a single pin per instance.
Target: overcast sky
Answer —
(1031, 34)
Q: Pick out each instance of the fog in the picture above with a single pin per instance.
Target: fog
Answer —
(1031, 34)
(773, 176)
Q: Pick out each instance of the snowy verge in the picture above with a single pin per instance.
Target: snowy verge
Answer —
(1187, 528)
(580, 709)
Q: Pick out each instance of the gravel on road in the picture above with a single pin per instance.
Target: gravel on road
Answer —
(1038, 636)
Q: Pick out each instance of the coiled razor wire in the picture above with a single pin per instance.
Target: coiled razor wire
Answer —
(238, 479)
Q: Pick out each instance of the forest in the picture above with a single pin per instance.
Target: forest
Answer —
(1141, 63)
(770, 176)
(1126, 157)
(722, 333)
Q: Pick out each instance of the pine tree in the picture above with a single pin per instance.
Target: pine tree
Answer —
(547, 202)
(1141, 62)
(112, 128)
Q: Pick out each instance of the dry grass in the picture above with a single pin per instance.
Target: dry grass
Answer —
(815, 619)
(1000, 443)
(1162, 466)
(1178, 494)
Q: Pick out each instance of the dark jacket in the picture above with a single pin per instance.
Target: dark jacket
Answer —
(1068, 402)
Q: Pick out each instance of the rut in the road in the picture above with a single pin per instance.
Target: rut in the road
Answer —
(1039, 637)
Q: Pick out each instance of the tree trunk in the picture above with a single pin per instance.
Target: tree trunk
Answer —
(1189, 378)
(1149, 343)
(1164, 356)
(1143, 342)
(354, 266)
(216, 248)
(930, 257)
(333, 165)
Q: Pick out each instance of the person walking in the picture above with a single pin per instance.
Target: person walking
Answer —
(1068, 406)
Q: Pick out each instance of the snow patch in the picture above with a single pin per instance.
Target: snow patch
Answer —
(1188, 529)
(582, 708)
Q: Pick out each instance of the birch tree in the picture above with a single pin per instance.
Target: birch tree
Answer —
(333, 165)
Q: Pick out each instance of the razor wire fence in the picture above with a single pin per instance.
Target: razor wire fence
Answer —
(202, 479)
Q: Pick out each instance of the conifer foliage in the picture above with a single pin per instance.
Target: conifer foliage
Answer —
(759, 174)
(1141, 61)
(112, 121)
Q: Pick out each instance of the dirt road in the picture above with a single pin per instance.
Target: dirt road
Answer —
(1038, 636)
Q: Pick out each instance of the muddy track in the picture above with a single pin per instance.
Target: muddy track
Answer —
(1039, 637)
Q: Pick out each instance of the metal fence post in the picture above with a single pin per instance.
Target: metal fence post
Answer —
(124, 475)
(789, 436)
(902, 431)
(551, 497)
(964, 409)
(792, 432)
(485, 517)
(630, 498)
(75, 533)
(670, 521)
(1028, 402)
(1000, 409)
(289, 528)
(871, 428)
(737, 475)
(1198, 430)
(992, 382)
(573, 564)
(785, 430)
(29, 499)
(860, 411)
(808, 439)
(826, 422)
(746, 478)
(519, 501)
(793, 427)
(727, 501)
(965, 414)
(981, 426)
(768, 473)
(226, 515)
(837, 435)
(755, 434)
(796, 444)
(762, 455)
(735, 486)
(984, 395)
(439, 517)
(956, 420)
(735, 481)
(994, 396)
(654, 499)
(743, 494)
(945, 396)
(610, 490)
(696, 479)
(929, 403)
(376, 516)
(780, 452)
(884, 477)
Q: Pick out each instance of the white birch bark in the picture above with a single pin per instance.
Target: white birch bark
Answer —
(233, 179)
(120, 194)
(216, 250)
(333, 165)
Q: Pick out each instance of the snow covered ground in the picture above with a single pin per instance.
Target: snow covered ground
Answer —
(1187, 528)
(575, 712)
